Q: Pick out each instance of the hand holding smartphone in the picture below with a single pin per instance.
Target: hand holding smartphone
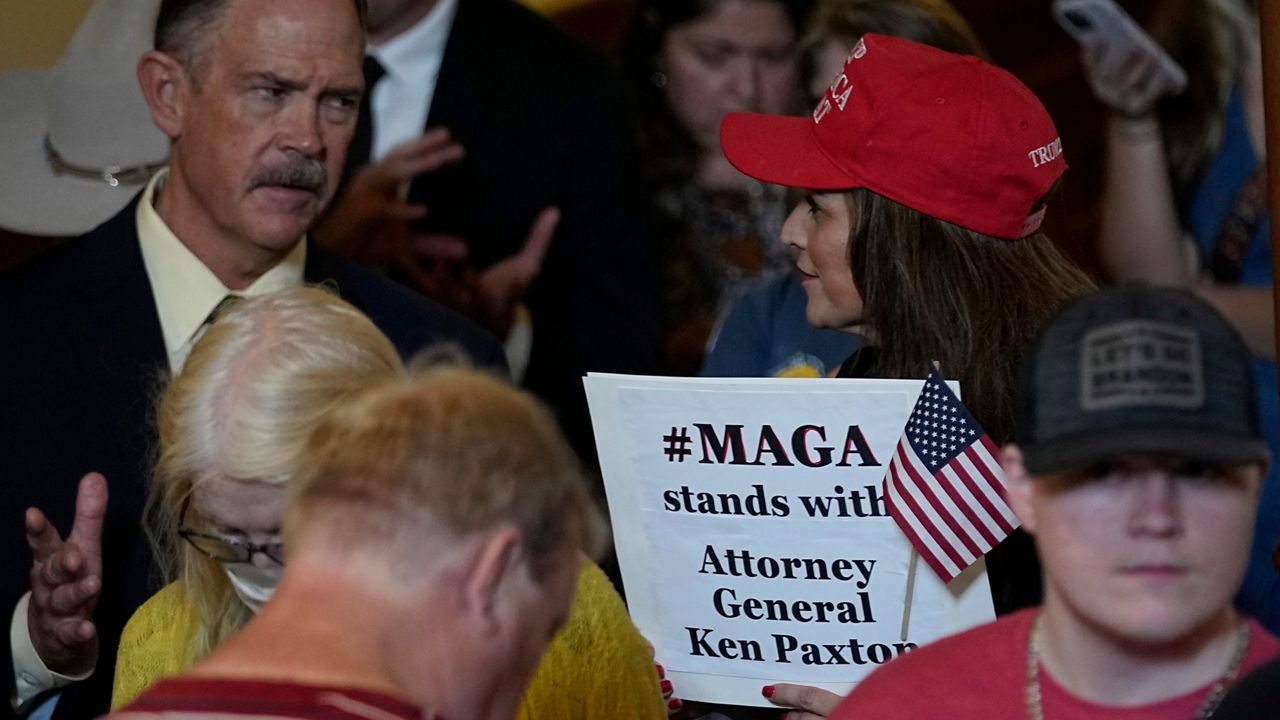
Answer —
(1127, 69)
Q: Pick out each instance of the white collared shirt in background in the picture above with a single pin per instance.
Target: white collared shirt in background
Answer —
(400, 104)
(185, 290)
(401, 101)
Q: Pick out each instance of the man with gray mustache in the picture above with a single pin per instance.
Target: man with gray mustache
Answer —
(303, 173)
(259, 102)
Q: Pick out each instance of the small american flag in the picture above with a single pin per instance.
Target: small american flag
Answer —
(944, 487)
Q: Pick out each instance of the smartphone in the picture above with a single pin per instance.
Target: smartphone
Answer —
(1103, 22)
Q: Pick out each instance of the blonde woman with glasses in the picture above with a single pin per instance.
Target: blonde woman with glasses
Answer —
(232, 427)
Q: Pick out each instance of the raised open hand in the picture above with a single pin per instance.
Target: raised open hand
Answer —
(503, 285)
(370, 223)
(66, 581)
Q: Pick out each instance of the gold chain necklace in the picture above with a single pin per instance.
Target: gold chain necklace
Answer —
(1035, 711)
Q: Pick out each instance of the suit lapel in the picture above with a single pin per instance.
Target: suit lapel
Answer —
(124, 363)
(121, 328)
(456, 66)
(466, 101)
(324, 268)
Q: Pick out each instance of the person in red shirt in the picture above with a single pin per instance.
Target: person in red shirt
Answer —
(1137, 470)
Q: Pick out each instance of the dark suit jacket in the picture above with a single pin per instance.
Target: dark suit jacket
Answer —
(541, 118)
(82, 359)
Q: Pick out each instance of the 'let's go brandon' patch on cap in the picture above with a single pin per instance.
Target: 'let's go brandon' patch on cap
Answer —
(1141, 363)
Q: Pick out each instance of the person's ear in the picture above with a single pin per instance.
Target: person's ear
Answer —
(493, 567)
(165, 86)
(1018, 484)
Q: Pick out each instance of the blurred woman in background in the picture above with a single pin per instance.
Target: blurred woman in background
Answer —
(690, 62)
(1184, 203)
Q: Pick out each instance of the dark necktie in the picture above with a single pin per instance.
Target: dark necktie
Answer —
(185, 351)
(358, 154)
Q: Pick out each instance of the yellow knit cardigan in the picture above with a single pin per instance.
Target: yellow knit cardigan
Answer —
(598, 667)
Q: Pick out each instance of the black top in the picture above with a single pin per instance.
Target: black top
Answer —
(1256, 696)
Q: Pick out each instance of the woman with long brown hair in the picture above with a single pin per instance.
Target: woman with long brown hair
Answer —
(689, 63)
(925, 177)
(764, 333)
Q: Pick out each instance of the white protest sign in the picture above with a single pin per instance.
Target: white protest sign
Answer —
(752, 533)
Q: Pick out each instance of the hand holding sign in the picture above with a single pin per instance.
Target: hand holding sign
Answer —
(809, 703)
(66, 581)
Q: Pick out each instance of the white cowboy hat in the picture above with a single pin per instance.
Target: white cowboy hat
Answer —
(76, 140)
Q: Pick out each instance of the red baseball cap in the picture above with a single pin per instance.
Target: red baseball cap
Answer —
(947, 135)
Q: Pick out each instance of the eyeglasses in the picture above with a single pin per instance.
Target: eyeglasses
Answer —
(226, 549)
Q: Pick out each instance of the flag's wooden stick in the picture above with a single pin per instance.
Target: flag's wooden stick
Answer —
(911, 570)
(911, 589)
(1269, 25)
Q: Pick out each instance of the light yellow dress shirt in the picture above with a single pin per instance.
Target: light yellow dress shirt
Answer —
(186, 291)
